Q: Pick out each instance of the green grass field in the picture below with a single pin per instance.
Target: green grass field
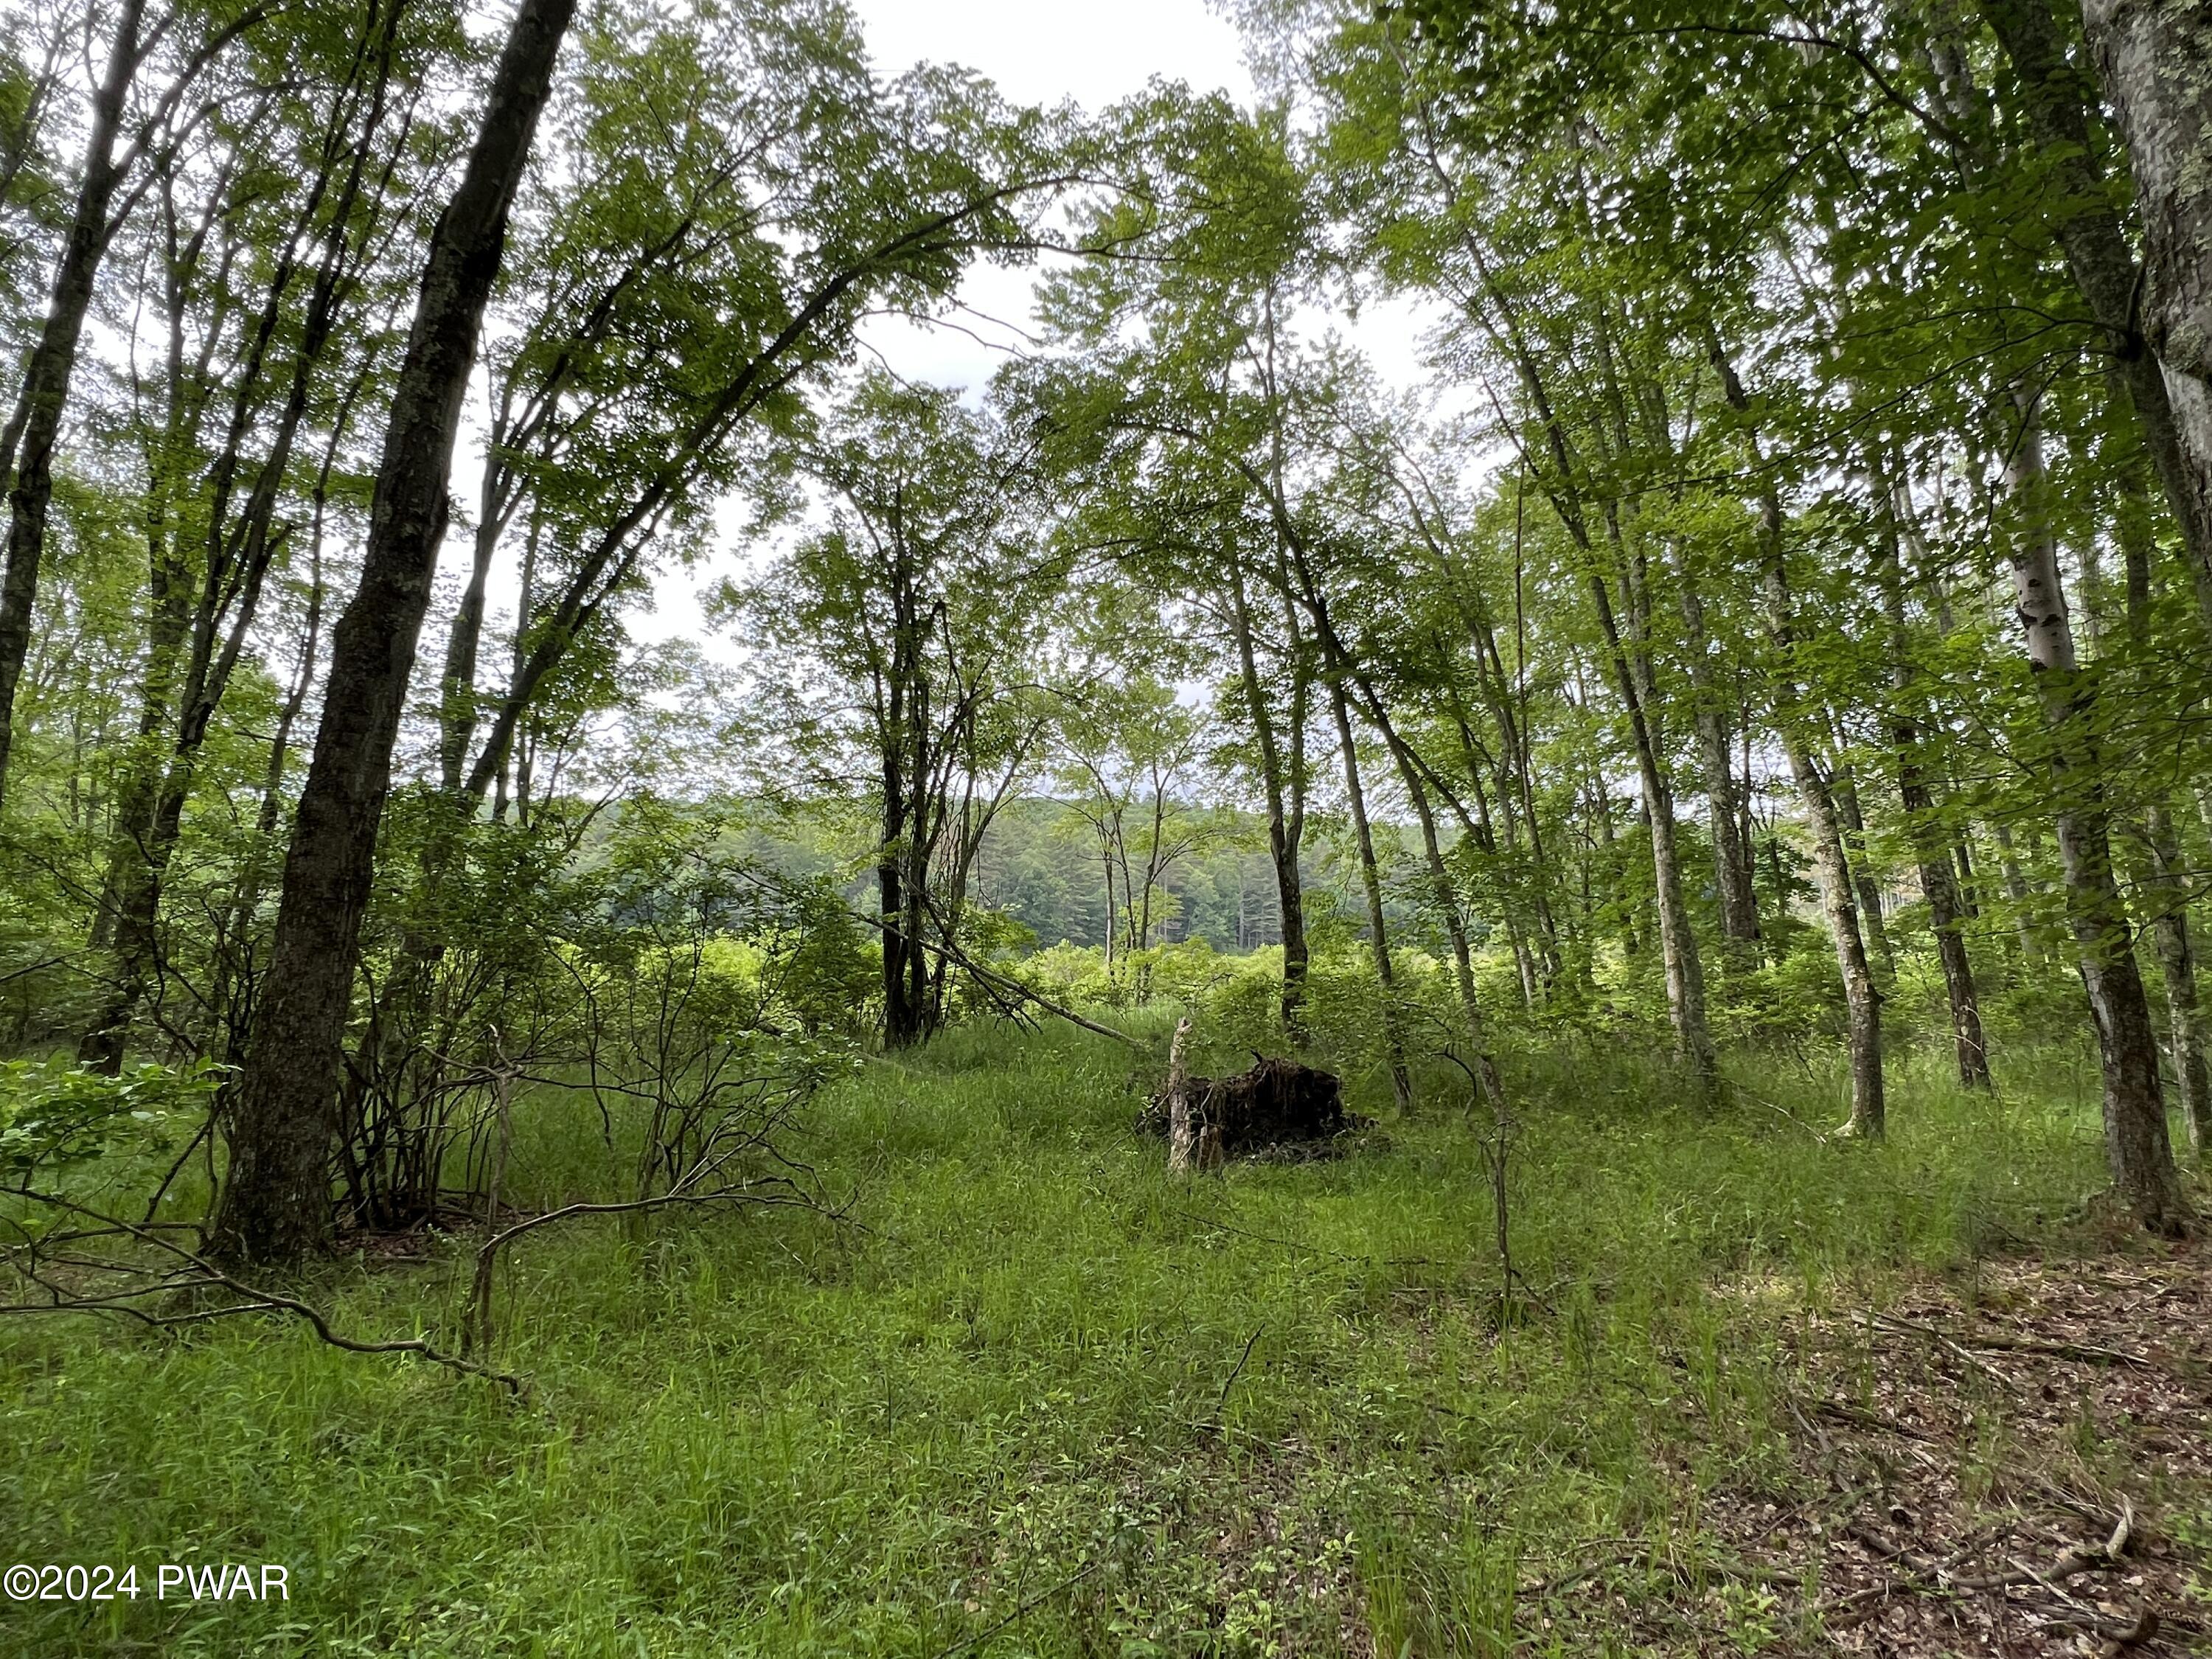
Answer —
(1031, 1394)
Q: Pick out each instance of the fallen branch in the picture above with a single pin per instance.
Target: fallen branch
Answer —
(1847, 1611)
(1943, 1340)
(1237, 1369)
(2084, 1353)
(2076, 1559)
(1646, 1556)
(257, 1299)
(1864, 1420)
(992, 976)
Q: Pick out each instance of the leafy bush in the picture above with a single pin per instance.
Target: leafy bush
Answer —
(61, 1123)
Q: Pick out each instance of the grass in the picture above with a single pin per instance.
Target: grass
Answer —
(1036, 1397)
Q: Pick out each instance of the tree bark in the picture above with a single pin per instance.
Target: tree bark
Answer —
(2169, 889)
(1485, 1065)
(2154, 57)
(1831, 859)
(26, 447)
(223, 597)
(1862, 999)
(2160, 318)
(169, 609)
(898, 737)
(1537, 972)
(1739, 902)
(1937, 882)
(1862, 874)
(232, 976)
(1678, 943)
(1286, 806)
(283, 1123)
(1401, 1082)
(2137, 1145)
(1182, 1128)
(2166, 883)
(1515, 791)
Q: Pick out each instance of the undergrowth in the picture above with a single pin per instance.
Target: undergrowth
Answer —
(1029, 1395)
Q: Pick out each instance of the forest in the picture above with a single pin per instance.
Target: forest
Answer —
(631, 935)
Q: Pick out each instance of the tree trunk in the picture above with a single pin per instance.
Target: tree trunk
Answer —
(901, 1015)
(1611, 867)
(1861, 1000)
(1863, 876)
(2020, 894)
(2136, 1140)
(916, 850)
(2162, 315)
(1182, 1126)
(1539, 962)
(2154, 57)
(1512, 769)
(231, 968)
(1970, 902)
(1685, 981)
(126, 890)
(1937, 884)
(1485, 1065)
(1739, 902)
(2167, 882)
(1282, 850)
(1831, 859)
(26, 447)
(223, 597)
(457, 702)
(1401, 1084)
(283, 1123)
(2169, 929)
(1678, 944)
(900, 1026)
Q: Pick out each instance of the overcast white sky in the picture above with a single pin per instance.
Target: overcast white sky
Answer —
(1041, 53)
(1036, 53)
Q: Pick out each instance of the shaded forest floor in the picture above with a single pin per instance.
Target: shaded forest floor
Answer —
(1768, 1394)
(2012, 1460)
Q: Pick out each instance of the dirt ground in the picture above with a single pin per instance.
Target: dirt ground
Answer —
(2016, 1462)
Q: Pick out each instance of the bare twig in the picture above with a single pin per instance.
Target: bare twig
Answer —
(776, 1192)
(1237, 1369)
(1012, 986)
(257, 1299)
(1888, 1322)
(1992, 1342)
(1020, 1607)
(1927, 1576)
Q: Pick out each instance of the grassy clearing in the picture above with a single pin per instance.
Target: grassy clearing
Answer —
(1038, 1399)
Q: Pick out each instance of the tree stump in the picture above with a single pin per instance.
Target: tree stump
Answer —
(1182, 1131)
(1278, 1104)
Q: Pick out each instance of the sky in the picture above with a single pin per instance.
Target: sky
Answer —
(1036, 53)
(1039, 53)
(1095, 54)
